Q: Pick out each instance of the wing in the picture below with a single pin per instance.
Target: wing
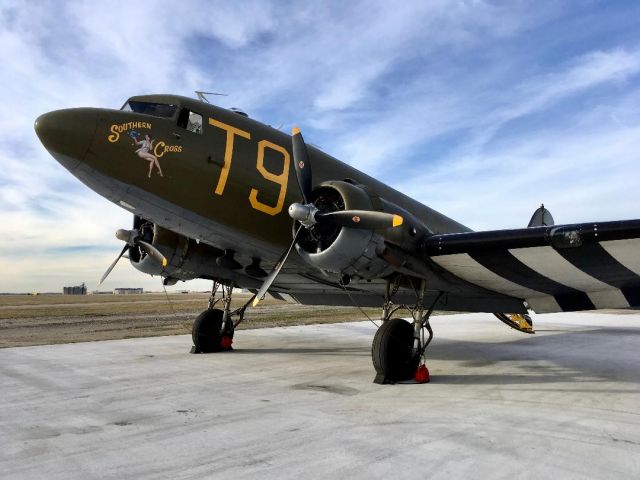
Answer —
(555, 268)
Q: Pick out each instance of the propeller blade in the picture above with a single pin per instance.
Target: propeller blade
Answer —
(302, 164)
(111, 267)
(276, 270)
(365, 219)
(152, 251)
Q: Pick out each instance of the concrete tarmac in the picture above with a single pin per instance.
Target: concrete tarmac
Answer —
(299, 402)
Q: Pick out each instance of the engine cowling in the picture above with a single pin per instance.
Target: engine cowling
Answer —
(348, 251)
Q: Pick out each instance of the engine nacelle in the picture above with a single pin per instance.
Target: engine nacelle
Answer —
(186, 259)
(350, 251)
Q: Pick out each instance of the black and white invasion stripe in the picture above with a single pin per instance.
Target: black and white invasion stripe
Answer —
(602, 272)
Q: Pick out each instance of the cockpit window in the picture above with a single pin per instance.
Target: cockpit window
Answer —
(189, 120)
(156, 109)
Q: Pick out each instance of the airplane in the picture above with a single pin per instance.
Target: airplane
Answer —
(218, 195)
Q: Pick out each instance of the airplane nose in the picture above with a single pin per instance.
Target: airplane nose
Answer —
(67, 134)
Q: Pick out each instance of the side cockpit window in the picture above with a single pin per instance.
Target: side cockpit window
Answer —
(189, 120)
(162, 110)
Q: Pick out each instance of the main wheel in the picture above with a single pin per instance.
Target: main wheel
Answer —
(206, 333)
(392, 353)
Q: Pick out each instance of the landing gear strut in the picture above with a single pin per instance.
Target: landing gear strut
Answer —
(399, 346)
(213, 329)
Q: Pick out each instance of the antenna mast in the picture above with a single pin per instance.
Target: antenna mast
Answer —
(202, 98)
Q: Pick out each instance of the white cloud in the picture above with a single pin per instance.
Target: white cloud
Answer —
(584, 172)
(478, 108)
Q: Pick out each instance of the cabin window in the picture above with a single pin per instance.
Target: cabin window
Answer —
(189, 120)
(162, 110)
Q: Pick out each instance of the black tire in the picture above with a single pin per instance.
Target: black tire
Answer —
(391, 352)
(206, 333)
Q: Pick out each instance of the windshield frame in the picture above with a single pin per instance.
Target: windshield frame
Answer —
(154, 109)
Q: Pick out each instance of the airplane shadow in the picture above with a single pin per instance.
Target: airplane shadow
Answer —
(587, 356)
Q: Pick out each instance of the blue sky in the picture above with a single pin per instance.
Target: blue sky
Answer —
(479, 109)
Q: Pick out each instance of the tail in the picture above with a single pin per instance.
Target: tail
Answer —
(541, 218)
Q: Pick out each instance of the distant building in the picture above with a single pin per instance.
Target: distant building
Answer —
(79, 290)
(127, 291)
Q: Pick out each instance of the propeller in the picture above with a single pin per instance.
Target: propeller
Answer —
(276, 270)
(308, 214)
(132, 239)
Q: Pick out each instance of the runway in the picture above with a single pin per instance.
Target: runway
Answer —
(299, 402)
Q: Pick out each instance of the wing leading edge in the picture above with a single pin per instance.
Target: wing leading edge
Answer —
(557, 268)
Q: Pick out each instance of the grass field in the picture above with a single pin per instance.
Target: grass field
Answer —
(46, 319)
